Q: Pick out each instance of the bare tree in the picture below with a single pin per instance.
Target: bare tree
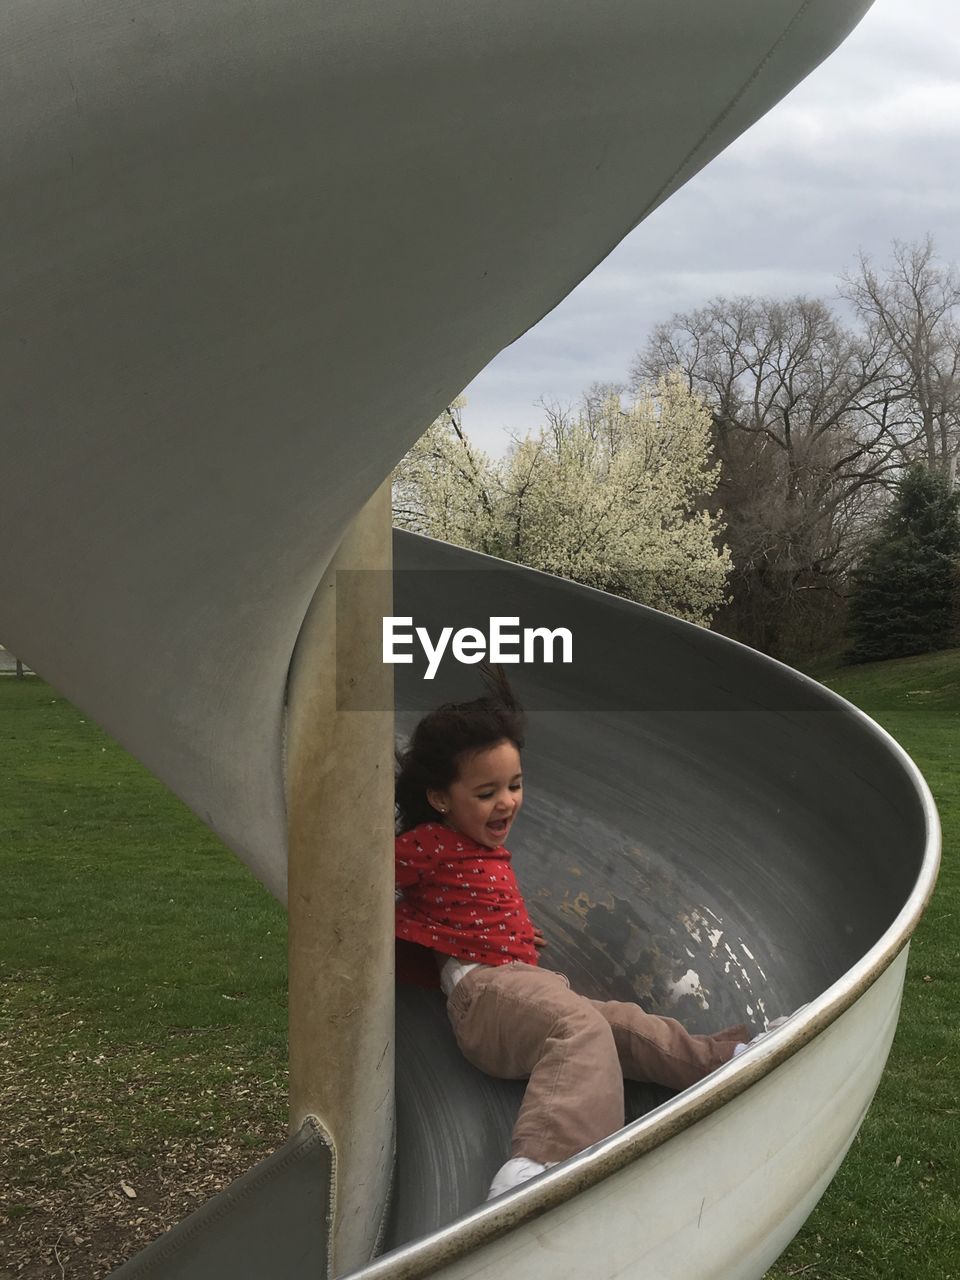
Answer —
(912, 307)
(807, 423)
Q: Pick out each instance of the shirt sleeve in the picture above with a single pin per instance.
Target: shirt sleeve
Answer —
(415, 857)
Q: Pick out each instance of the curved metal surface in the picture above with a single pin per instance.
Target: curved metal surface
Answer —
(730, 843)
(721, 1199)
(247, 252)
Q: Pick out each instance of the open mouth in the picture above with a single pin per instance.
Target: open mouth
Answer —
(499, 825)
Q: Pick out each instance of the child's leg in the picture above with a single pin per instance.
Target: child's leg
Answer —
(660, 1050)
(517, 1020)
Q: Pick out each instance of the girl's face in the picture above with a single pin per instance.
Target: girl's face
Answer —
(486, 796)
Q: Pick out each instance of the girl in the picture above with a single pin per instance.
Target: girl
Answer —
(459, 789)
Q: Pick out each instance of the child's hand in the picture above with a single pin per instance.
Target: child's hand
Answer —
(538, 939)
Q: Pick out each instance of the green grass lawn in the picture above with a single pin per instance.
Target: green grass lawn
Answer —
(142, 999)
(893, 1210)
(143, 1009)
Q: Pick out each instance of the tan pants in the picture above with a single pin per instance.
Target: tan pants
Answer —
(515, 1021)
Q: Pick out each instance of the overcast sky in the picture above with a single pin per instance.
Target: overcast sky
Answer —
(866, 150)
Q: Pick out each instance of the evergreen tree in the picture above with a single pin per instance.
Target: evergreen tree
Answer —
(904, 599)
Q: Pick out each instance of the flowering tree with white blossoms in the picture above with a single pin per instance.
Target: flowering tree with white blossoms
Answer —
(612, 497)
(443, 487)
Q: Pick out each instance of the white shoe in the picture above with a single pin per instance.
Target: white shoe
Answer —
(775, 1025)
(513, 1173)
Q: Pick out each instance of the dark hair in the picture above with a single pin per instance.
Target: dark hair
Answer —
(438, 743)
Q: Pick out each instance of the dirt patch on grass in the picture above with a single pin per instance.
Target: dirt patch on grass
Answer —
(107, 1146)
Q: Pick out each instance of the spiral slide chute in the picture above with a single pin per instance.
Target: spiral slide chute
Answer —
(718, 837)
(248, 251)
(709, 833)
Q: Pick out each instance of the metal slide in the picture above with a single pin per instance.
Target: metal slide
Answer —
(718, 837)
(707, 832)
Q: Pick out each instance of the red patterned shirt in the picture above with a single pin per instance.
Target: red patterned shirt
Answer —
(461, 898)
